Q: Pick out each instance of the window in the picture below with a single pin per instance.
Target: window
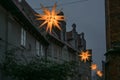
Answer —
(56, 51)
(60, 52)
(37, 48)
(42, 50)
(49, 52)
(23, 37)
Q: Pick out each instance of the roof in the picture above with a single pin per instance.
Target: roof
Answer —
(31, 14)
(54, 39)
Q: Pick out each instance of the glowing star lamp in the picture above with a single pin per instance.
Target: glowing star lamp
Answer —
(51, 18)
(93, 66)
(85, 56)
(99, 73)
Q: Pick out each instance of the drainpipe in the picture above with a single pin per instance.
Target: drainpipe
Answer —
(6, 33)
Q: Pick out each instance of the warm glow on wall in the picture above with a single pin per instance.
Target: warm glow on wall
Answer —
(93, 66)
(51, 18)
(99, 73)
(85, 56)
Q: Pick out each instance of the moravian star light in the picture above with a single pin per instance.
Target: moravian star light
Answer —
(51, 18)
(85, 56)
(93, 66)
(99, 73)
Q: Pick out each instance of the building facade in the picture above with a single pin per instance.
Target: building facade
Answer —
(112, 39)
(112, 66)
(19, 30)
(112, 22)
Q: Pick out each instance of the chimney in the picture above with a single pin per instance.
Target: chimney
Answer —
(74, 26)
(82, 34)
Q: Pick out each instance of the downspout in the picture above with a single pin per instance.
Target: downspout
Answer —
(6, 33)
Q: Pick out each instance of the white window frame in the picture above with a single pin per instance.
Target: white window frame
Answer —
(23, 37)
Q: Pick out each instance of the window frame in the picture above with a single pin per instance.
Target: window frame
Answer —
(23, 37)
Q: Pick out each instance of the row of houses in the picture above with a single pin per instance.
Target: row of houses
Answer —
(20, 29)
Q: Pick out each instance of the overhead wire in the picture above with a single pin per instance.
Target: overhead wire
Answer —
(64, 4)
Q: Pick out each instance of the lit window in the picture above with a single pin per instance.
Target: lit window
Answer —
(37, 48)
(23, 37)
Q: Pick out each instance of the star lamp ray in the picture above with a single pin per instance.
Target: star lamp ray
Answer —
(51, 18)
(99, 73)
(85, 56)
(93, 66)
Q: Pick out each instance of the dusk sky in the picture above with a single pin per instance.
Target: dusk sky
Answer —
(89, 17)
